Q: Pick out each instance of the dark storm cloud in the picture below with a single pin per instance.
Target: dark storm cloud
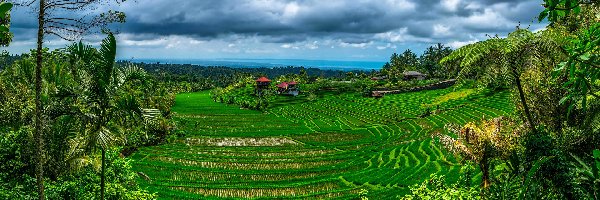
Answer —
(350, 23)
(289, 21)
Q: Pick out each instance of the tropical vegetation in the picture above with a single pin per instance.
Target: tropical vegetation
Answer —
(521, 122)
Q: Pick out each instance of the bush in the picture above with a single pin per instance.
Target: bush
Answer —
(436, 188)
(85, 183)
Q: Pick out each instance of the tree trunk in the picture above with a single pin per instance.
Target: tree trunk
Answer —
(523, 100)
(102, 177)
(39, 167)
(485, 169)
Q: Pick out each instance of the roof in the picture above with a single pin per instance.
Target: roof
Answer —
(414, 73)
(282, 85)
(292, 83)
(263, 79)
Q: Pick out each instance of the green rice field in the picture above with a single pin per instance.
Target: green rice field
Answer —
(329, 148)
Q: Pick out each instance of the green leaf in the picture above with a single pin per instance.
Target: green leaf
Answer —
(3, 29)
(536, 166)
(561, 66)
(561, 14)
(596, 170)
(543, 15)
(584, 103)
(586, 56)
(5, 7)
(570, 109)
(577, 10)
(565, 99)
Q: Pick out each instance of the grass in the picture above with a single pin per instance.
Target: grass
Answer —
(328, 148)
(457, 95)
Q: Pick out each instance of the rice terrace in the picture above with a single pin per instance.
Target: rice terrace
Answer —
(299, 99)
(328, 148)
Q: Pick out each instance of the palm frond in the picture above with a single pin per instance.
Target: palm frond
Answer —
(105, 61)
(104, 137)
(151, 116)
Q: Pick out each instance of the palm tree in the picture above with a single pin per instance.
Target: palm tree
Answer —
(104, 113)
(100, 130)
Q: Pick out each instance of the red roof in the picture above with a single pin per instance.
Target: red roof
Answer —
(263, 79)
(292, 83)
(282, 85)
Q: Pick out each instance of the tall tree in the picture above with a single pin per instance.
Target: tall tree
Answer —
(400, 63)
(430, 59)
(70, 27)
(104, 115)
(409, 60)
(391, 68)
(102, 131)
(496, 58)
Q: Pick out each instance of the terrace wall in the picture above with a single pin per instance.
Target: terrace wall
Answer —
(435, 86)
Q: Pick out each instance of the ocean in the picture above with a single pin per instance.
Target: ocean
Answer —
(270, 63)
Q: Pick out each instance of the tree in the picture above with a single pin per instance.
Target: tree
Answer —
(481, 143)
(401, 63)
(500, 60)
(408, 61)
(68, 28)
(431, 58)
(582, 68)
(106, 112)
(556, 10)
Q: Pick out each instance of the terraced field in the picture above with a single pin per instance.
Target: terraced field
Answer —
(329, 148)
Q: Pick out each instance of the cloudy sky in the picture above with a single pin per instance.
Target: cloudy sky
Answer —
(367, 30)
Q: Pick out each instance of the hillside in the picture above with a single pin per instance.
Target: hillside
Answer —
(331, 147)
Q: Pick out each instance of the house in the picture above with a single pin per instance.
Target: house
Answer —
(414, 75)
(262, 83)
(290, 88)
(282, 87)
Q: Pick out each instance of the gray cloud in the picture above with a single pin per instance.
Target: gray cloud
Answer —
(287, 21)
(375, 24)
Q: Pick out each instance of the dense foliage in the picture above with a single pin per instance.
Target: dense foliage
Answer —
(554, 75)
(524, 123)
(89, 105)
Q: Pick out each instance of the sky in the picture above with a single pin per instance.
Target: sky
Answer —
(349, 30)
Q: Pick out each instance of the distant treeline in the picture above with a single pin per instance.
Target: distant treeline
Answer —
(206, 77)
(7, 59)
